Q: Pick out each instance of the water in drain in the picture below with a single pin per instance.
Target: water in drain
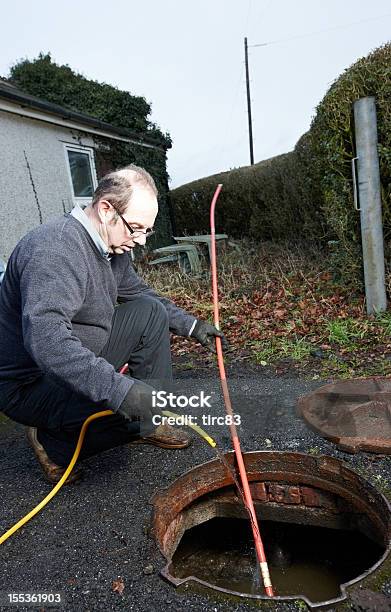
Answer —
(304, 560)
(333, 526)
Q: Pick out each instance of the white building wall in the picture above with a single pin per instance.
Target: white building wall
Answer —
(29, 146)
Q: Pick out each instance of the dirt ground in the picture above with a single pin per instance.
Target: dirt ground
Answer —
(97, 531)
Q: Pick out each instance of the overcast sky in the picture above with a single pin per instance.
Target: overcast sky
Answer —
(187, 59)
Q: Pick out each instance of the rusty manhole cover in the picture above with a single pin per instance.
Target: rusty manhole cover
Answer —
(354, 414)
(320, 498)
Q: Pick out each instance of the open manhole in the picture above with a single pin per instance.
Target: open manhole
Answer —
(324, 527)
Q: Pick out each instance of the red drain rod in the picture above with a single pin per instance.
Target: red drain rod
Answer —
(228, 406)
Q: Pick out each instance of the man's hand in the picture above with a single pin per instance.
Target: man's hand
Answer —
(137, 404)
(205, 334)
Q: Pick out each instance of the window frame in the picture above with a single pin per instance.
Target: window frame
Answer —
(83, 202)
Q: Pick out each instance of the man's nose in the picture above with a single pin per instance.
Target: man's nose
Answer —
(140, 239)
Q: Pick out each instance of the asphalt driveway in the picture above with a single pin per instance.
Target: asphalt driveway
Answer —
(97, 531)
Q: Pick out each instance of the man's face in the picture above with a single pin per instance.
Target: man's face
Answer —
(140, 214)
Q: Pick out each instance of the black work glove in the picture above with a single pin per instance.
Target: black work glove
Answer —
(137, 405)
(205, 334)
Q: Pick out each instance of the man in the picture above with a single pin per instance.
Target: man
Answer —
(72, 312)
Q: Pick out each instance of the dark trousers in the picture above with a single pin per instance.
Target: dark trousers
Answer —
(140, 337)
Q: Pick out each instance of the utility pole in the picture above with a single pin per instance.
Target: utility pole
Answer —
(370, 203)
(250, 126)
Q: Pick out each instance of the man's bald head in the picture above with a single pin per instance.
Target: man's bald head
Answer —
(117, 186)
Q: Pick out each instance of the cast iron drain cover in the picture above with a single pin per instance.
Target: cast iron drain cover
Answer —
(354, 414)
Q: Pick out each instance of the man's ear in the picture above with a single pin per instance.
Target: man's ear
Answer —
(104, 205)
(104, 209)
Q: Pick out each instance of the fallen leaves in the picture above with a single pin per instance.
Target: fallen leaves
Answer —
(266, 302)
(280, 313)
(118, 586)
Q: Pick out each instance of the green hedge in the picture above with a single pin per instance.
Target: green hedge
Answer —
(269, 201)
(307, 193)
(331, 145)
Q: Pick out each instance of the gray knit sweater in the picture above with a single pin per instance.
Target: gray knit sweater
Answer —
(56, 305)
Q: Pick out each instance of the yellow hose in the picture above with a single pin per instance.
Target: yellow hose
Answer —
(70, 467)
(196, 428)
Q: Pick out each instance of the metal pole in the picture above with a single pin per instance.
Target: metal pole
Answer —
(370, 204)
(250, 126)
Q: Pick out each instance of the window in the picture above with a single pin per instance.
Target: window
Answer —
(82, 174)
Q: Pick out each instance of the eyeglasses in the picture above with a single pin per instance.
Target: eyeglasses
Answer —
(136, 232)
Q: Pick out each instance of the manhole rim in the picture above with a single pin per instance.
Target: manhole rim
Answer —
(165, 573)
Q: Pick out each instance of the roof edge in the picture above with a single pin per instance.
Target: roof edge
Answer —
(16, 95)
